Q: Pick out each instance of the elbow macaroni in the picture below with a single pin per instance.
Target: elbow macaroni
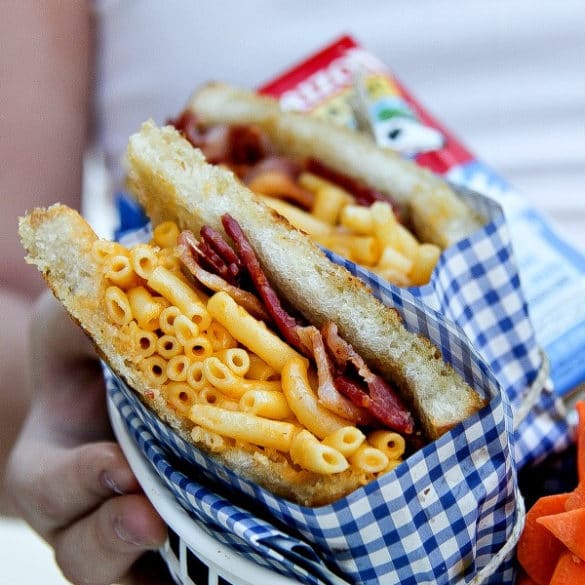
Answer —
(223, 370)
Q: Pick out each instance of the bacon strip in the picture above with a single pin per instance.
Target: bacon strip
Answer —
(327, 393)
(236, 145)
(190, 127)
(248, 144)
(248, 152)
(211, 260)
(284, 322)
(381, 399)
(216, 283)
(214, 142)
(216, 242)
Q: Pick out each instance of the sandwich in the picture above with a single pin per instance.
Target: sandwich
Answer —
(238, 332)
(366, 203)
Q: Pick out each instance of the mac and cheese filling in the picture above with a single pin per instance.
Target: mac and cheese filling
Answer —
(237, 366)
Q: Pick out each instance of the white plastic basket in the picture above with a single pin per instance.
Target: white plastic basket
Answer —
(192, 555)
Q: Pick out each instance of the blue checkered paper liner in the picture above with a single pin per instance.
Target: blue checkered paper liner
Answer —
(448, 508)
(440, 517)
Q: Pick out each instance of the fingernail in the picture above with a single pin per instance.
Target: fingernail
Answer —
(107, 481)
(123, 534)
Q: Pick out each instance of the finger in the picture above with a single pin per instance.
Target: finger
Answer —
(69, 483)
(102, 547)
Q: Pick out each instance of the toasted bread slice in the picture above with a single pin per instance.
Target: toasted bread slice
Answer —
(438, 215)
(172, 181)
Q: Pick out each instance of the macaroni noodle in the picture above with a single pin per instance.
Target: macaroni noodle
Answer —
(179, 293)
(180, 396)
(309, 453)
(244, 426)
(178, 367)
(389, 442)
(144, 260)
(249, 331)
(117, 305)
(167, 319)
(303, 401)
(165, 234)
(145, 309)
(119, 271)
(369, 459)
(346, 440)
(268, 403)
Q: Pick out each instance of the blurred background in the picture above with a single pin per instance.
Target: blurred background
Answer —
(506, 77)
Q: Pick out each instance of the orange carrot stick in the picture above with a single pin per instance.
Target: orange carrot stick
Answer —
(577, 498)
(569, 528)
(538, 549)
(580, 406)
(570, 570)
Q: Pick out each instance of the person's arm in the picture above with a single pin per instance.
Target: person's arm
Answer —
(63, 472)
(44, 112)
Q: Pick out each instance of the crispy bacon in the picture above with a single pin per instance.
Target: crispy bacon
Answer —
(282, 164)
(381, 400)
(214, 142)
(357, 400)
(210, 259)
(215, 240)
(327, 393)
(237, 145)
(216, 283)
(213, 253)
(247, 150)
(285, 323)
(248, 144)
(190, 127)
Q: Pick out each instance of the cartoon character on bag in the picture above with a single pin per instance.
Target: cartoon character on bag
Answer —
(392, 121)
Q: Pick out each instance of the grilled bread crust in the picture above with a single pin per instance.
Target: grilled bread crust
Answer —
(437, 214)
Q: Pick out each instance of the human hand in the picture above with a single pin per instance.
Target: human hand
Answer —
(67, 476)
